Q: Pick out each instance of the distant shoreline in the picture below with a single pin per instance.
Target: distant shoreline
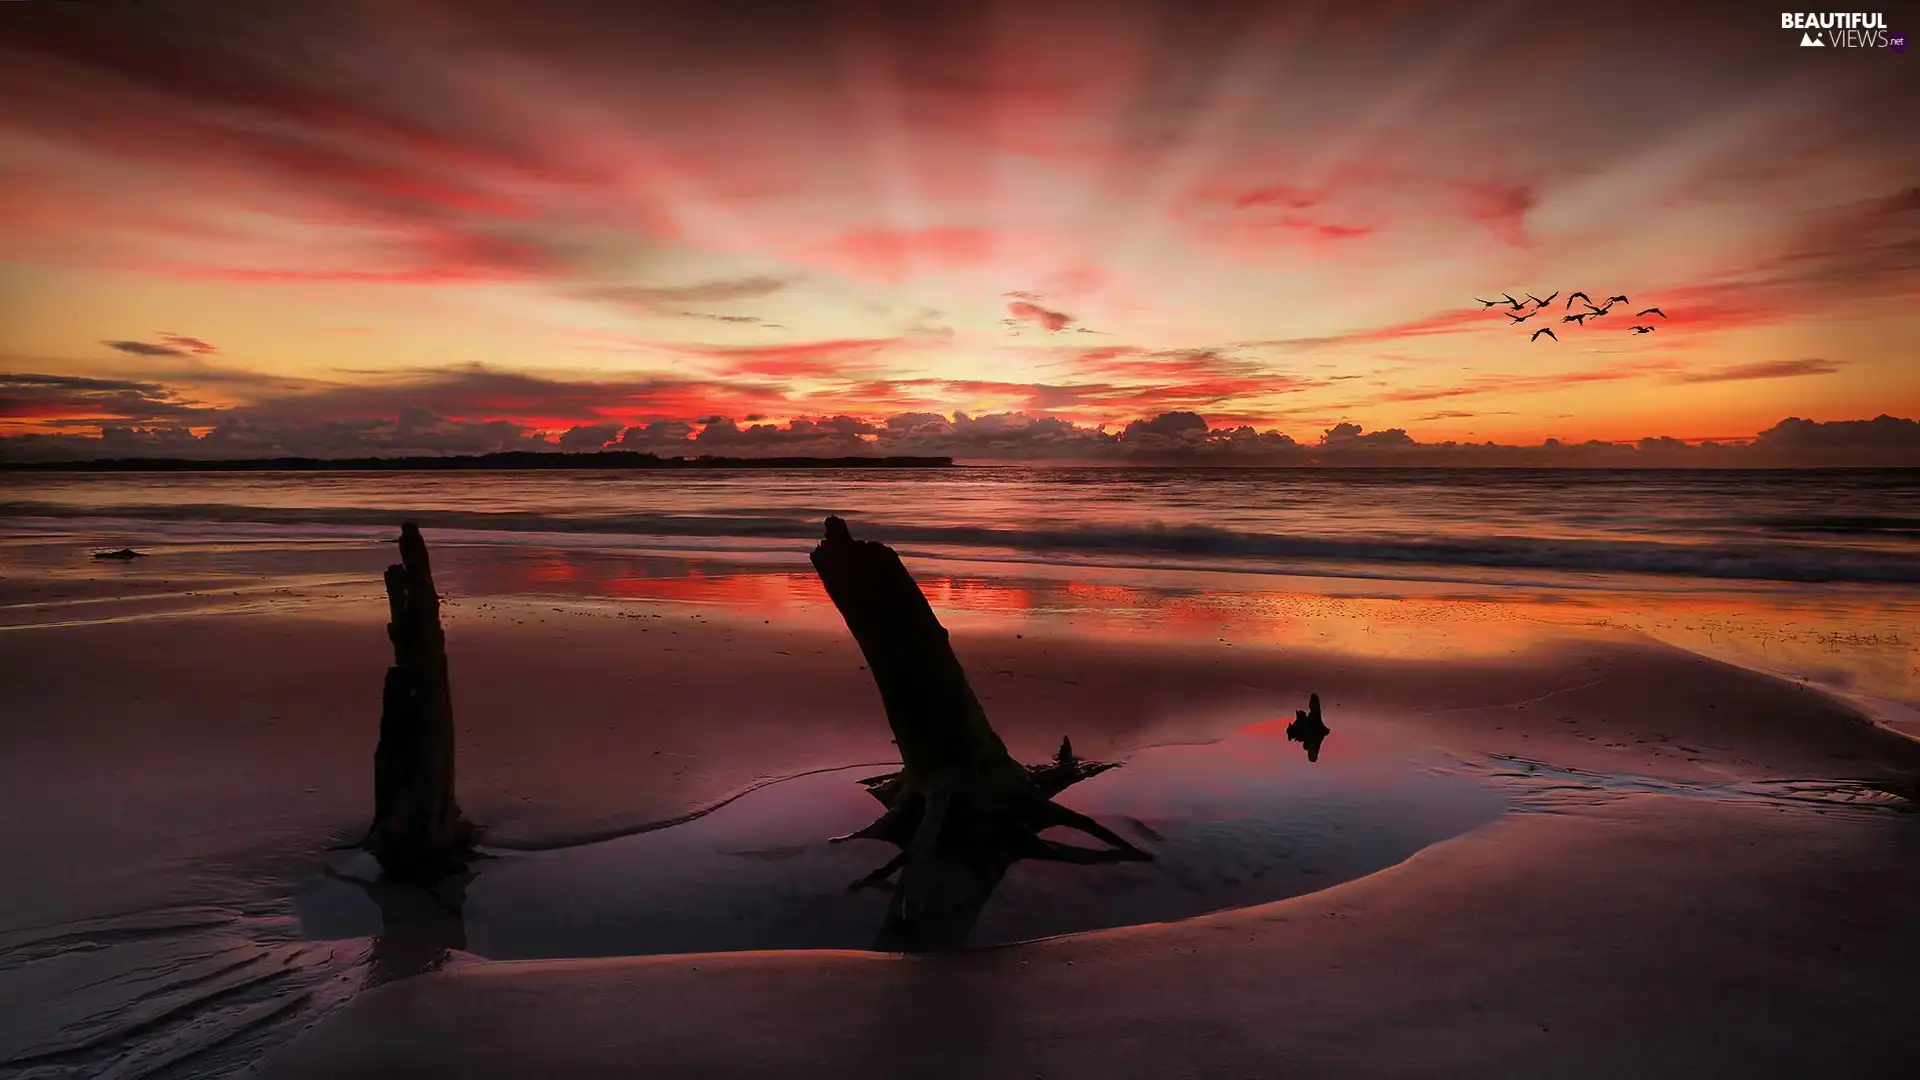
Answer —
(620, 460)
(510, 460)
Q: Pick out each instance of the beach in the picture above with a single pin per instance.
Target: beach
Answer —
(1648, 824)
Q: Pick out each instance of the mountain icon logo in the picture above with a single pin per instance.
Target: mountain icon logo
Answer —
(1809, 41)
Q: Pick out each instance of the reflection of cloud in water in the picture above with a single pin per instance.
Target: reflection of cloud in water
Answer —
(1844, 638)
(1237, 822)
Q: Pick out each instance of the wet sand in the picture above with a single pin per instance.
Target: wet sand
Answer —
(1657, 936)
(1652, 907)
(575, 724)
(1613, 934)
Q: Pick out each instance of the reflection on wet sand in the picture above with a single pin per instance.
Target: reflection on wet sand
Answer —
(1852, 640)
(419, 929)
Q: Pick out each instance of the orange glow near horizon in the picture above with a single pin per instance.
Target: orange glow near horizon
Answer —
(476, 227)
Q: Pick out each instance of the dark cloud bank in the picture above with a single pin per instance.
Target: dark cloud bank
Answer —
(159, 423)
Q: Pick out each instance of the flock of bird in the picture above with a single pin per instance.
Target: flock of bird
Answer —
(1594, 311)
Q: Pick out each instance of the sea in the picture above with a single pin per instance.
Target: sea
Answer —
(1504, 525)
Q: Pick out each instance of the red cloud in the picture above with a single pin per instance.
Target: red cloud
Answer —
(1501, 207)
(1034, 313)
(887, 254)
(817, 359)
(1278, 195)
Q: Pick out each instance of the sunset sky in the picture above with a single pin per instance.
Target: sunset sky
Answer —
(323, 227)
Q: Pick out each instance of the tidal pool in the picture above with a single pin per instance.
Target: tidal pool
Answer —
(1242, 821)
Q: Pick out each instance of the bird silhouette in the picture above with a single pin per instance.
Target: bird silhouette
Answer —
(1540, 302)
(1574, 319)
(1484, 304)
(1643, 329)
(1517, 305)
(1519, 318)
(1612, 300)
(1650, 311)
(1547, 330)
(1582, 296)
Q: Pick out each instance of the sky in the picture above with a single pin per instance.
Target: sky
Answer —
(1014, 227)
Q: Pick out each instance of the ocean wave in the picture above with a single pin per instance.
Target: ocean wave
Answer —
(1746, 559)
(1843, 524)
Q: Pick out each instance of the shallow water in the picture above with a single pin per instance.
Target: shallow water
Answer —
(1243, 821)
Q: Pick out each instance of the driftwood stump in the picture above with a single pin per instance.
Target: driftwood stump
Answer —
(1308, 728)
(961, 810)
(418, 833)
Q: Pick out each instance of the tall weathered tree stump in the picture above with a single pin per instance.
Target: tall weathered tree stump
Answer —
(418, 833)
(960, 809)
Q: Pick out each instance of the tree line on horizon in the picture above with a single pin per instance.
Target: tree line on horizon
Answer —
(931, 440)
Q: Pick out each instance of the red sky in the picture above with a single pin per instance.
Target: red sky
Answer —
(323, 227)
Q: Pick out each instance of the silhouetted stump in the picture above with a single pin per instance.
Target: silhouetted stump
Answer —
(1308, 729)
(418, 833)
(960, 809)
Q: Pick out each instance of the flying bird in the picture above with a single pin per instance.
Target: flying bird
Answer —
(1595, 312)
(1518, 318)
(1643, 329)
(1582, 296)
(1574, 319)
(1650, 311)
(1484, 304)
(1517, 305)
(1542, 303)
(1547, 330)
(1612, 300)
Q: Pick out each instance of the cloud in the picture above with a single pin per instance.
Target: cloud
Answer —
(1510, 384)
(588, 436)
(834, 359)
(69, 400)
(145, 348)
(1501, 206)
(190, 344)
(887, 254)
(1765, 369)
(170, 344)
(1868, 247)
(666, 437)
(1458, 321)
(669, 299)
(691, 165)
(1352, 437)
(738, 320)
(1171, 425)
(1179, 437)
(1034, 313)
(1813, 441)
